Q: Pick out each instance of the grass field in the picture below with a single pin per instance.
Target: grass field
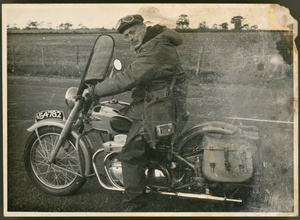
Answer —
(227, 57)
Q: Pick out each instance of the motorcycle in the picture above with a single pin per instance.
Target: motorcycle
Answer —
(212, 160)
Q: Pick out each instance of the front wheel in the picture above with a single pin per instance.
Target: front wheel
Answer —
(61, 177)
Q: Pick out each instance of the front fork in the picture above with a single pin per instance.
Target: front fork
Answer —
(67, 129)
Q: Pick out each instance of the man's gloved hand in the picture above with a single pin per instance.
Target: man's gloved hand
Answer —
(90, 94)
(86, 94)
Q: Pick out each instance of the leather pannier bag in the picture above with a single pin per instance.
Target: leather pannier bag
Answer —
(227, 158)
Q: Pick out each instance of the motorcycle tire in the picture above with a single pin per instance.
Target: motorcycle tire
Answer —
(61, 177)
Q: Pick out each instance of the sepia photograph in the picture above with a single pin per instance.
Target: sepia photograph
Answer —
(158, 110)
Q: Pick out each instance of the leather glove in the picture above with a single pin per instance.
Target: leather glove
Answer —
(89, 93)
(86, 94)
(91, 90)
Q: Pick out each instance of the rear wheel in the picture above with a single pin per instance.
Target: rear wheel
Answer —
(61, 177)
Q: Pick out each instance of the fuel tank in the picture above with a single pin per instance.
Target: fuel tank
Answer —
(107, 118)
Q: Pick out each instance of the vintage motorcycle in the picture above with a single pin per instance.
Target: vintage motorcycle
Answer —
(213, 160)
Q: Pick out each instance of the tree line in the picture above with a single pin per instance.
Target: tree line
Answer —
(32, 25)
(183, 23)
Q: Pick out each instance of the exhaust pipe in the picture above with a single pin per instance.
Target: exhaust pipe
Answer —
(198, 196)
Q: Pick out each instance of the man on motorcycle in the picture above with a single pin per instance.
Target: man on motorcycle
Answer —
(155, 71)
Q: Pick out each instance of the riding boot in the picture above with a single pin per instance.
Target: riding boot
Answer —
(134, 157)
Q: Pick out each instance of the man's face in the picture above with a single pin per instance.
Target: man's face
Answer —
(135, 35)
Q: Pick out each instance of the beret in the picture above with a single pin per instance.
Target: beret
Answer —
(128, 21)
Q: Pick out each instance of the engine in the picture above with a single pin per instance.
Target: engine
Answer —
(161, 173)
(156, 175)
(115, 170)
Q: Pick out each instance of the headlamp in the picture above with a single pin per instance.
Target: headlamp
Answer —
(70, 97)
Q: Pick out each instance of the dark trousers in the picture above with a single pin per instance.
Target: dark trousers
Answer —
(134, 157)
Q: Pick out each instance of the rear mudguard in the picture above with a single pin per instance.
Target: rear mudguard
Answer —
(207, 127)
(85, 142)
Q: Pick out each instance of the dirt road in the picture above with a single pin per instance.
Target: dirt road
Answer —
(267, 108)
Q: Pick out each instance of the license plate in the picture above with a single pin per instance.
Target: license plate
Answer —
(49, 114)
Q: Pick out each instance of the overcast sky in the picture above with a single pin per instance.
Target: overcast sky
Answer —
(107, 15)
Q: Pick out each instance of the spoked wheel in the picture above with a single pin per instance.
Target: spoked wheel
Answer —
(62, 176)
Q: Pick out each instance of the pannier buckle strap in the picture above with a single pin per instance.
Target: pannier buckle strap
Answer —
(212, 167)
(227, 163)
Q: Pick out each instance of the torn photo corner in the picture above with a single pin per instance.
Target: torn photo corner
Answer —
(241, 66)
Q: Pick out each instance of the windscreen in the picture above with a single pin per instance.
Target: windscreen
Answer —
(99, 61)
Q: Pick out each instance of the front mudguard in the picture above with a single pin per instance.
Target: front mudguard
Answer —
(250, 132)
(84, 142)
